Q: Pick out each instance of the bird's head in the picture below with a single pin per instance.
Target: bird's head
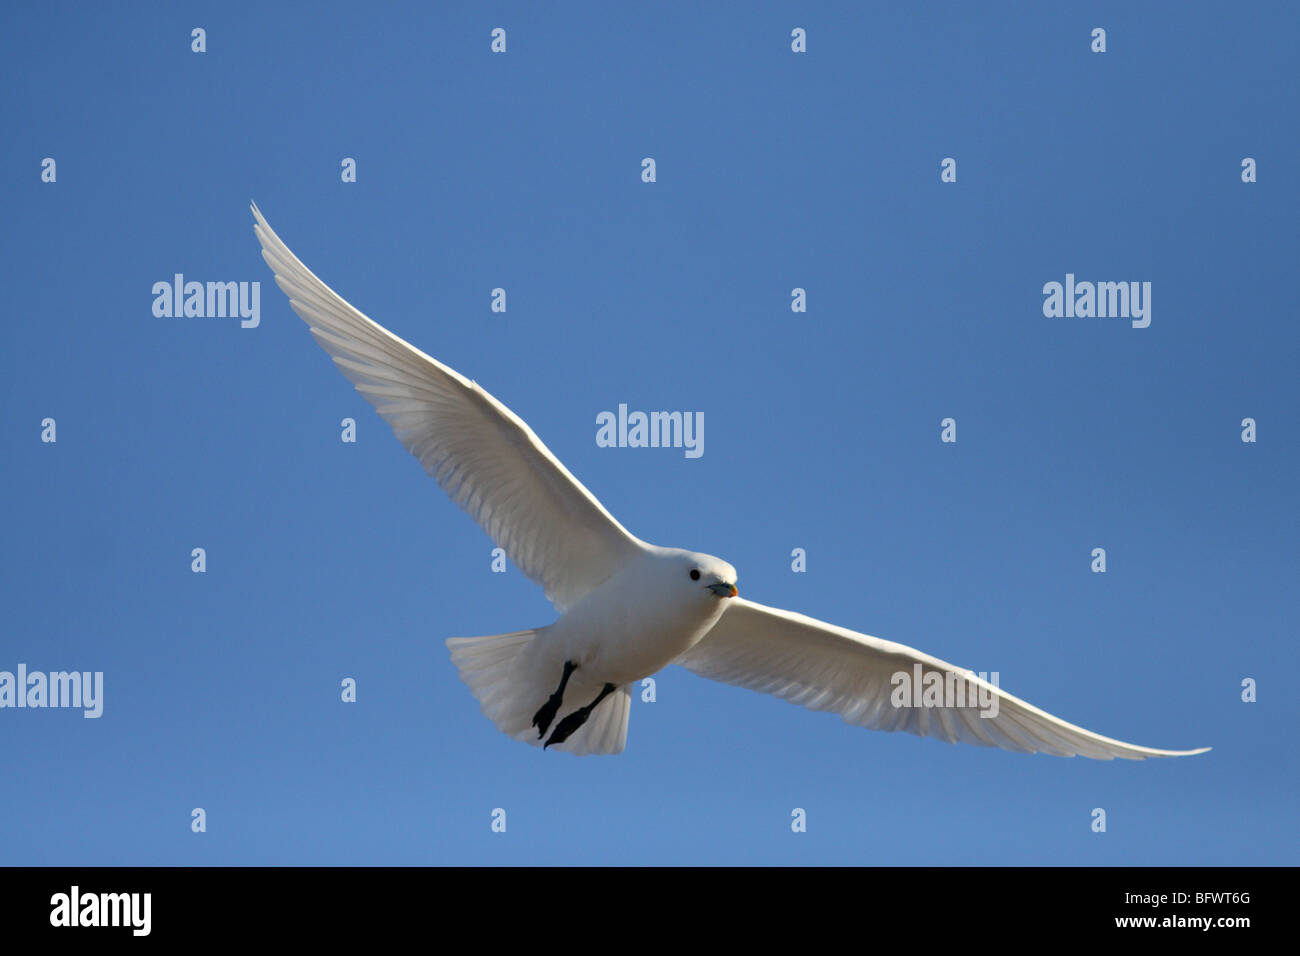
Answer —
(703, 576)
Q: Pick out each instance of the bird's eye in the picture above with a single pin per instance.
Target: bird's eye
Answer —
(695, 574)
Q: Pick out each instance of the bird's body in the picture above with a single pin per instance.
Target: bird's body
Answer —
(646, 615)
(635, 623)
(627, 608)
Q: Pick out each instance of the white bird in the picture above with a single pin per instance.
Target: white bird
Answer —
(627, 609)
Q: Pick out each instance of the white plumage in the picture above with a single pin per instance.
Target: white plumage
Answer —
(627, 608)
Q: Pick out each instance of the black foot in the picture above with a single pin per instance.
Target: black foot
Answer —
(568, 725)
(576, 719)
(542, 719)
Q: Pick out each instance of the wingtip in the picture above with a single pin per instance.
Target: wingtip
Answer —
(1186, 753)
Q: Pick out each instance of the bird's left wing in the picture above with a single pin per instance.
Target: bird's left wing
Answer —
(482, 454)
(824, 667)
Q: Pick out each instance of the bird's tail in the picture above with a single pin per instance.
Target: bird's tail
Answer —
(512, 678)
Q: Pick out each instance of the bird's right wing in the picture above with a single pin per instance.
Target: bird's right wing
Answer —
(824, 667)
(481, 454)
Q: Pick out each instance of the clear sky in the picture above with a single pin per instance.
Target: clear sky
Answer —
(774, 170)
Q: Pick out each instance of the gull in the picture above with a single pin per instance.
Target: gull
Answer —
(627, 609)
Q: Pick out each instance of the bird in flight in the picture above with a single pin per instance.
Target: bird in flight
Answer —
(627, 608)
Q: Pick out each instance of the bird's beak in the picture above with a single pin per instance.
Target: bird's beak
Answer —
(724, 590)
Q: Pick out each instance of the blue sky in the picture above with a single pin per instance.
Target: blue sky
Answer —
(775, 170)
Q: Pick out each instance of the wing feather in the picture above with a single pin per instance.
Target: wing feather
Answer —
(824, 667)
(480, 453)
